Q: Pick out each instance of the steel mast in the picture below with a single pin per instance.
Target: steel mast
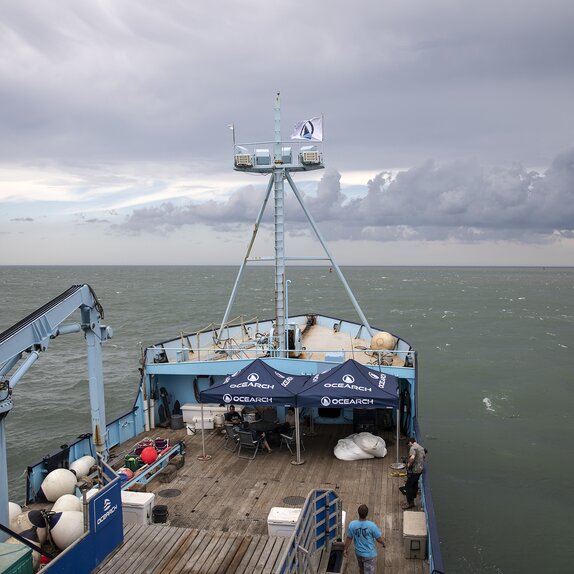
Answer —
(279, 163)
(279, 196)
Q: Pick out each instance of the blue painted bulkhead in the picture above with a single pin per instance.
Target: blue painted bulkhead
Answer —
(184, 381)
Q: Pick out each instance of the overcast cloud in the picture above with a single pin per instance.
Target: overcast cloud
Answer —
(461, 200)
(447, 122)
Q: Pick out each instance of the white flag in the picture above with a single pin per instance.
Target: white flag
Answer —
(309, 130)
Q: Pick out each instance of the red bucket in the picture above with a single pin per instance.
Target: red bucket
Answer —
(161, 444)
(143, 444)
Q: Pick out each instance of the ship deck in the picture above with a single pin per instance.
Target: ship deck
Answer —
(218, 508)
(317, 342)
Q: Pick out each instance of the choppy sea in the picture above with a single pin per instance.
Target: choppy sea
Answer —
(496, 381)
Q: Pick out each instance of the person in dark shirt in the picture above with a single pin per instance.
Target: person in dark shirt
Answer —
(415, 467)
(233, 418)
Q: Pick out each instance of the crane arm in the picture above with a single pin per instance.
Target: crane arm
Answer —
(21, 345)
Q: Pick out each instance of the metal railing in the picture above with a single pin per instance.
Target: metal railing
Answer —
(254, 350)
(433, 543)
(319, 524)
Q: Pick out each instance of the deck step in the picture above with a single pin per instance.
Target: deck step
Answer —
(164, 549)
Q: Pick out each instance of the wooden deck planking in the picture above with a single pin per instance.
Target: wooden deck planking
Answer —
(205, 556)
(223, 558)
(135, 552)
(150, 554)
(233, 497)
(169, 564)
(134, 549)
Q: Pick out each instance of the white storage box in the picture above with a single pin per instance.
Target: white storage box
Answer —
(189, 411)
(193, 410)
(414, 534)
(207, 422)
(137, 507)
(281, 521)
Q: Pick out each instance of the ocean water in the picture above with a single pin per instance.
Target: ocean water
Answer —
(496, 377)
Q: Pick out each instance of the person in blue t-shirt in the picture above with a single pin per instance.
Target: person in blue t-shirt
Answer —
(364, 534)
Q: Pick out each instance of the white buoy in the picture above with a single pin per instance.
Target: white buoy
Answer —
(67, 502)
(59, 482)
(83, 465)
(66, 527)
(383, 341)
(14, 510)
(29, 520)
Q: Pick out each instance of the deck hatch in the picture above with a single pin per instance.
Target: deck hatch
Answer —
(169, 493)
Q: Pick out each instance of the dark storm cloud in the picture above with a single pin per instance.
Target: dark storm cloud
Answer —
(133, 80)
(461, 200)
(239, 208)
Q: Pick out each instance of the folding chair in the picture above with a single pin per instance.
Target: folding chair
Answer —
(246, 442)
(289, 441)
(231, 439)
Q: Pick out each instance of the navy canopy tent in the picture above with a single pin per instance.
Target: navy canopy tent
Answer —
(257, 384)
(350, 385)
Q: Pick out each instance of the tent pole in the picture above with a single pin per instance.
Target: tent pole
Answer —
(398, 423)
(297, 439)
(311, 431)
(398, 465)
(203, 456)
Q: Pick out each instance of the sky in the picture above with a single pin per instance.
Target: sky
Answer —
(448, 129)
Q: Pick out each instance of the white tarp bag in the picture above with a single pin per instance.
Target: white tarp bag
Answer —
(347, 449)
(370, 443)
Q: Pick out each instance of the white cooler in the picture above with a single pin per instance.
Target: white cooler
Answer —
(137, 507)
(206, 421)
(192, 411)
(414, 534)
(281, 521)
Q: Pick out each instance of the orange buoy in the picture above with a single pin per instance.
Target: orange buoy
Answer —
(148, 455)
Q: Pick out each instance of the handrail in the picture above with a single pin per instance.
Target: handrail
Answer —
(263, 349)
(434, 552)
(319, 524)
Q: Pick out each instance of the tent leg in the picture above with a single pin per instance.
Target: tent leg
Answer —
(311, 431)
(203, 456)
(398, 465)
(398, 424)
(298, 460)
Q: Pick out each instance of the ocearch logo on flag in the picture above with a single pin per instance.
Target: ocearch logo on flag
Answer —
(308, 130)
